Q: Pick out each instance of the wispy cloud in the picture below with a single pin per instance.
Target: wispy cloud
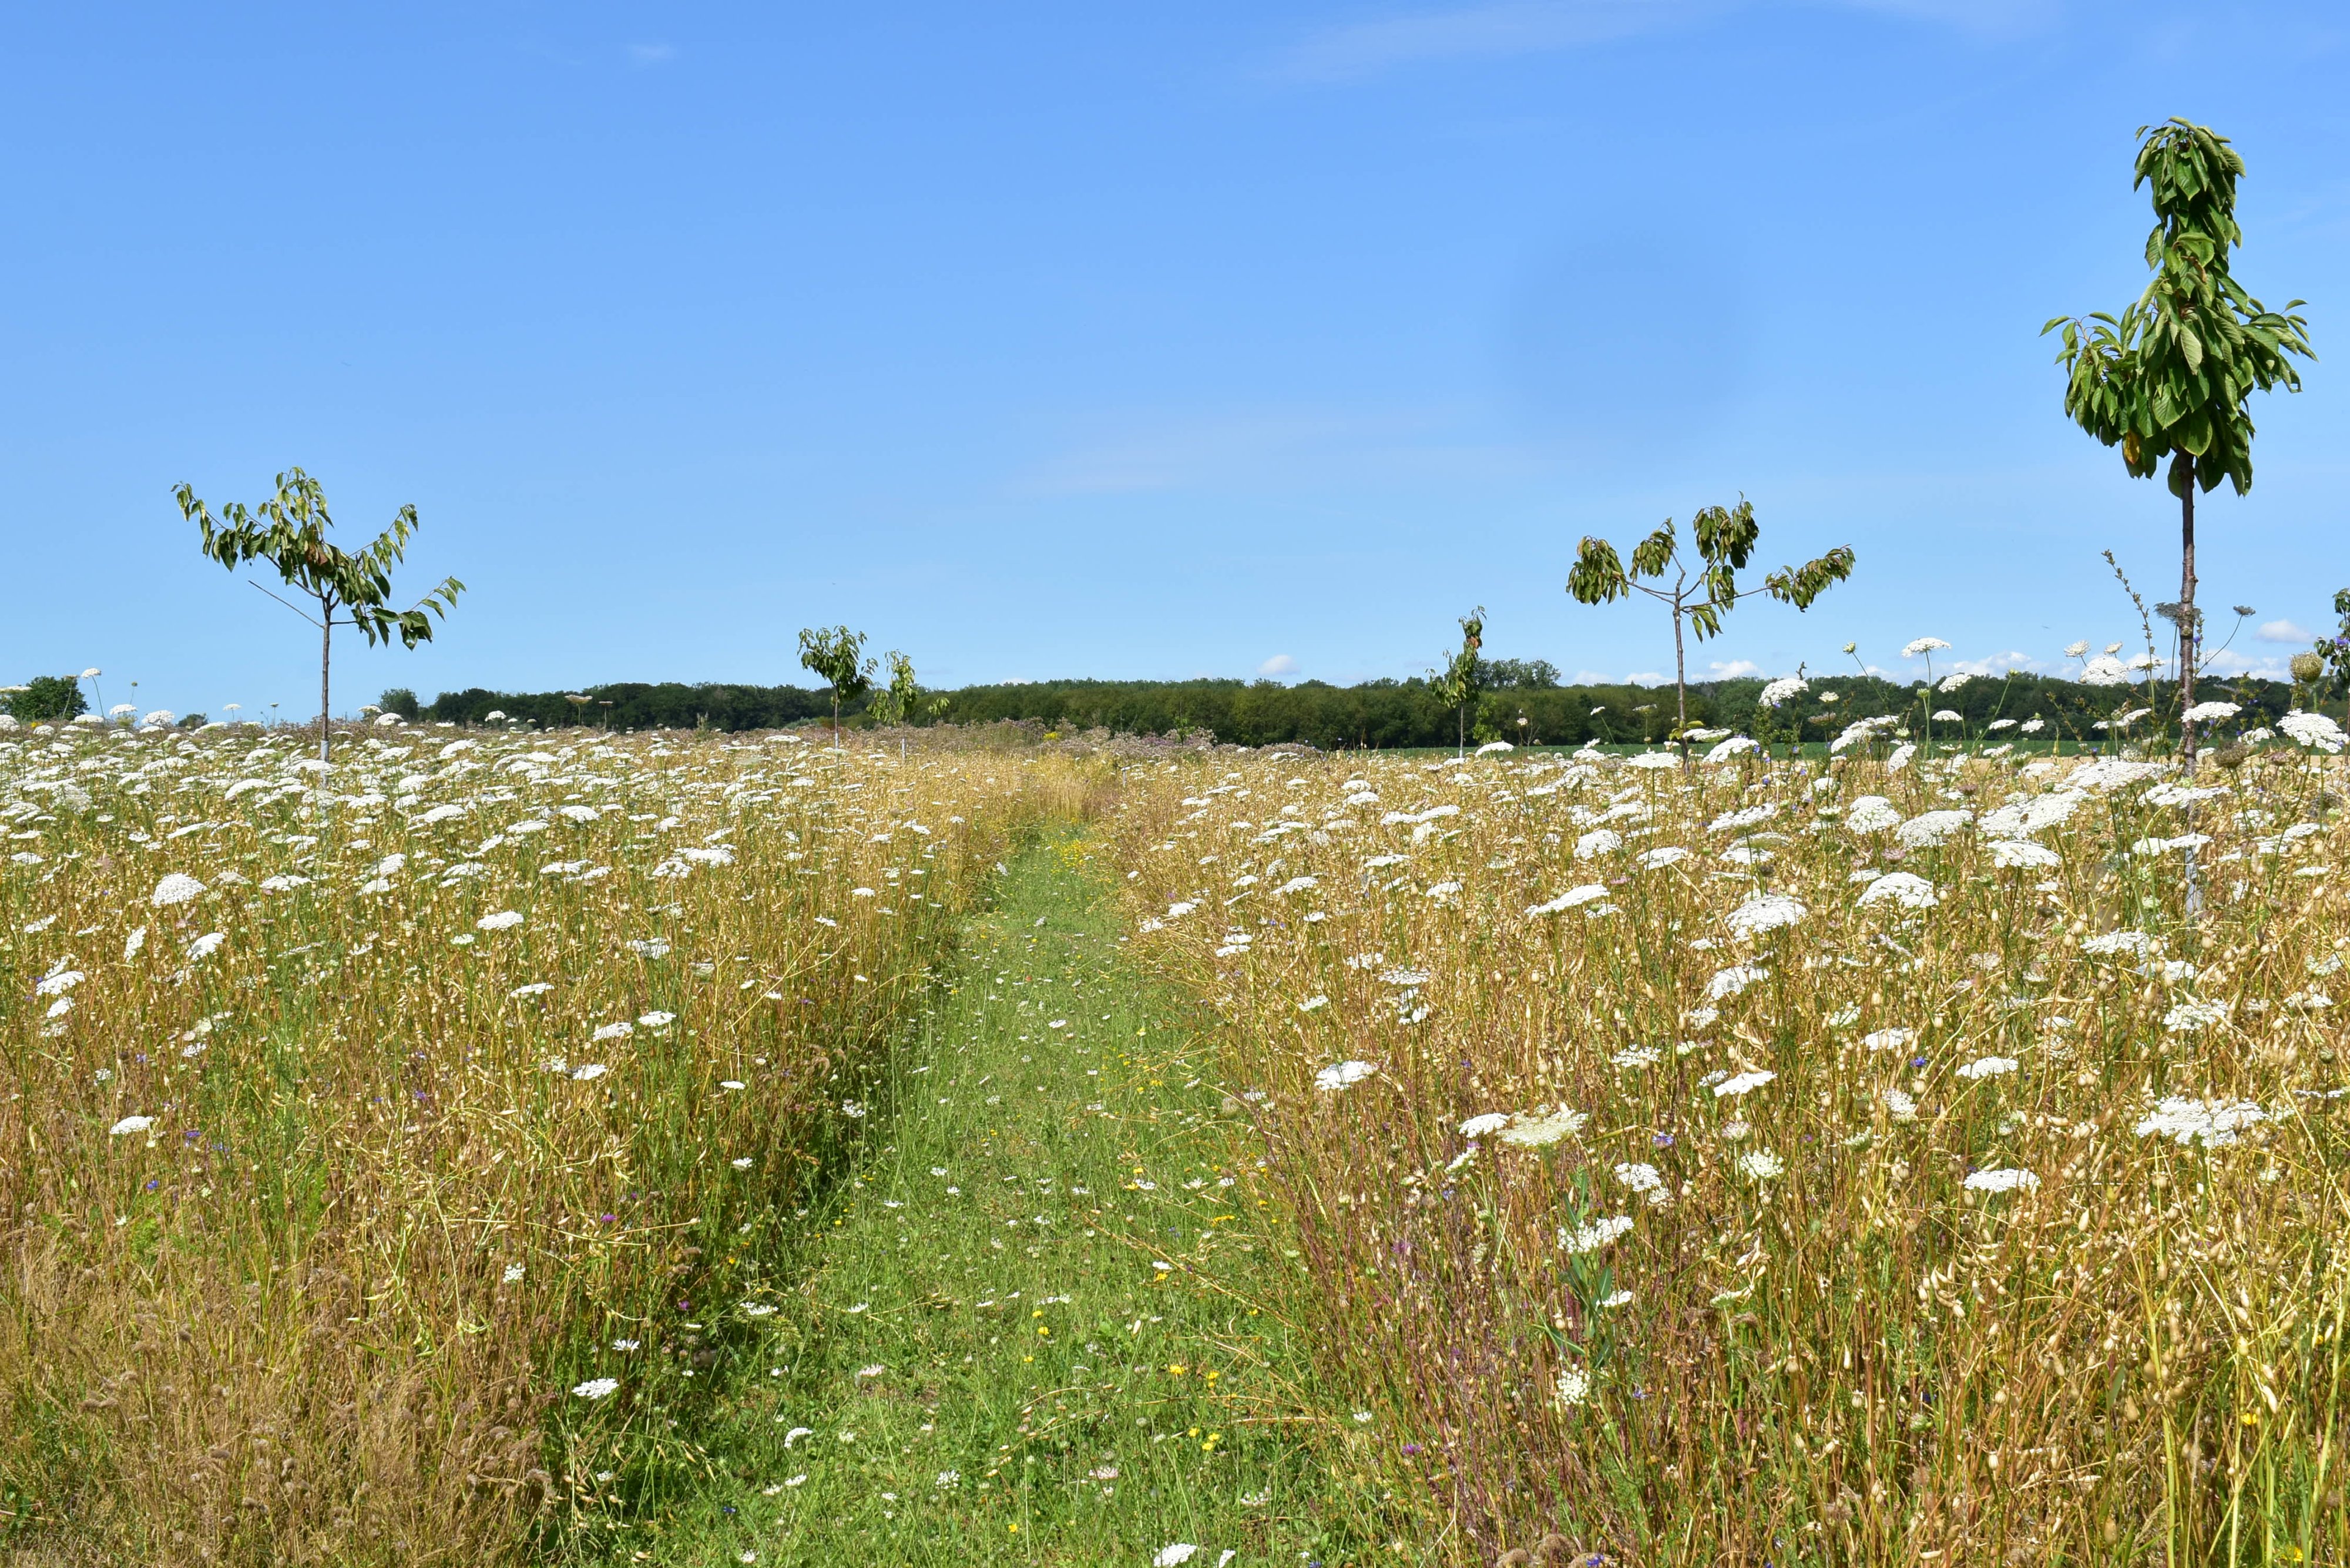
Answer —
(1506, 28)
(1736, 670)
(1512, 27)
(2000, 664)
(1279, 665)
(2283, 631)
(652, 54)
(2227, 661)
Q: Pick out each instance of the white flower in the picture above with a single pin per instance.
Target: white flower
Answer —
(1988, 1067)
(1343, 1074)
(1932, 828)
(514, 1273)
(1762, 1165)
(619, 1031)
(2206, 712)
(1174, 1555)
(1573, 1386)
(1569, 899)
(1902, 888)
(503, 920)
(536, 988)
(852, 1109)
(1534, 1132)
(1764, 912)
(588, 1072)
(1732, 981)
(1592, 1237)
(2105, 670)
(2215, 1122)
(1599, 841)
(2112, 943)
(1645, 1181)
(1731, 1088)
(130, 1125)
(1889, 1039)
(1947, 716)
(596, 1387)
(2189, 1016)
(1782, 689)
(179, 888)
(132, 943)
(1730, 748)
(1656, 859)
(2006, 1181)
(1636, 1056)
(2075, 649)
(1902, 1107)
(2014, 853)
(1490, 1122)
(285, 882)
(2313, 729)
(1916, 646)
(1871, 813)
(59, 984)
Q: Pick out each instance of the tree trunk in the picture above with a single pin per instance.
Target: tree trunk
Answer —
(1681, 689)
(326, 659)
(1462, 745)
(2190, 642)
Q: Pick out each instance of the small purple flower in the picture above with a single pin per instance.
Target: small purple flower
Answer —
(1662, 1140)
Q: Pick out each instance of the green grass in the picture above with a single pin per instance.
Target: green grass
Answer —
(1090, 1286)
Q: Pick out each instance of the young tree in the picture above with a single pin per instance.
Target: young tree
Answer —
(895, 705)
(1463, 678)
(839, 656)
(1725, 539)
(289, 532)
(2172, 375)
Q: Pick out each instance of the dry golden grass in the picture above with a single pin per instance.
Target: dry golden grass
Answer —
(1641, 1220)
(328, 1302)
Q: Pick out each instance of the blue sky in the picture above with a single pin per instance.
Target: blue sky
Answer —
(1131, 342)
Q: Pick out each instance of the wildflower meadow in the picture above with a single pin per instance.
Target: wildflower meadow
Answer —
(1908, 1157)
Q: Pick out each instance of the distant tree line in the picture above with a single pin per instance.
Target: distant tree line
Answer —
(1521, 701)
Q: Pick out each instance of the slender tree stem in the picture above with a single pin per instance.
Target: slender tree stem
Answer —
(1680, 685)
(2189, 644)
(326, 659)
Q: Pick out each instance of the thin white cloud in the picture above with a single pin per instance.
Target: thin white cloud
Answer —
(1279, 665)
(1356, 50)
(2283, 631)
(1999, 664)
(1512, 27)
(2227, 661)
(1646, 678)
(1736, 670)
(652, 54)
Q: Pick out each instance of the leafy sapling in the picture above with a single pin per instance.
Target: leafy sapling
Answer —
(289, 532)
(1700, 592)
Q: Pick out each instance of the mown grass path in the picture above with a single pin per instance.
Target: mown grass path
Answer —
(1039, 1324)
